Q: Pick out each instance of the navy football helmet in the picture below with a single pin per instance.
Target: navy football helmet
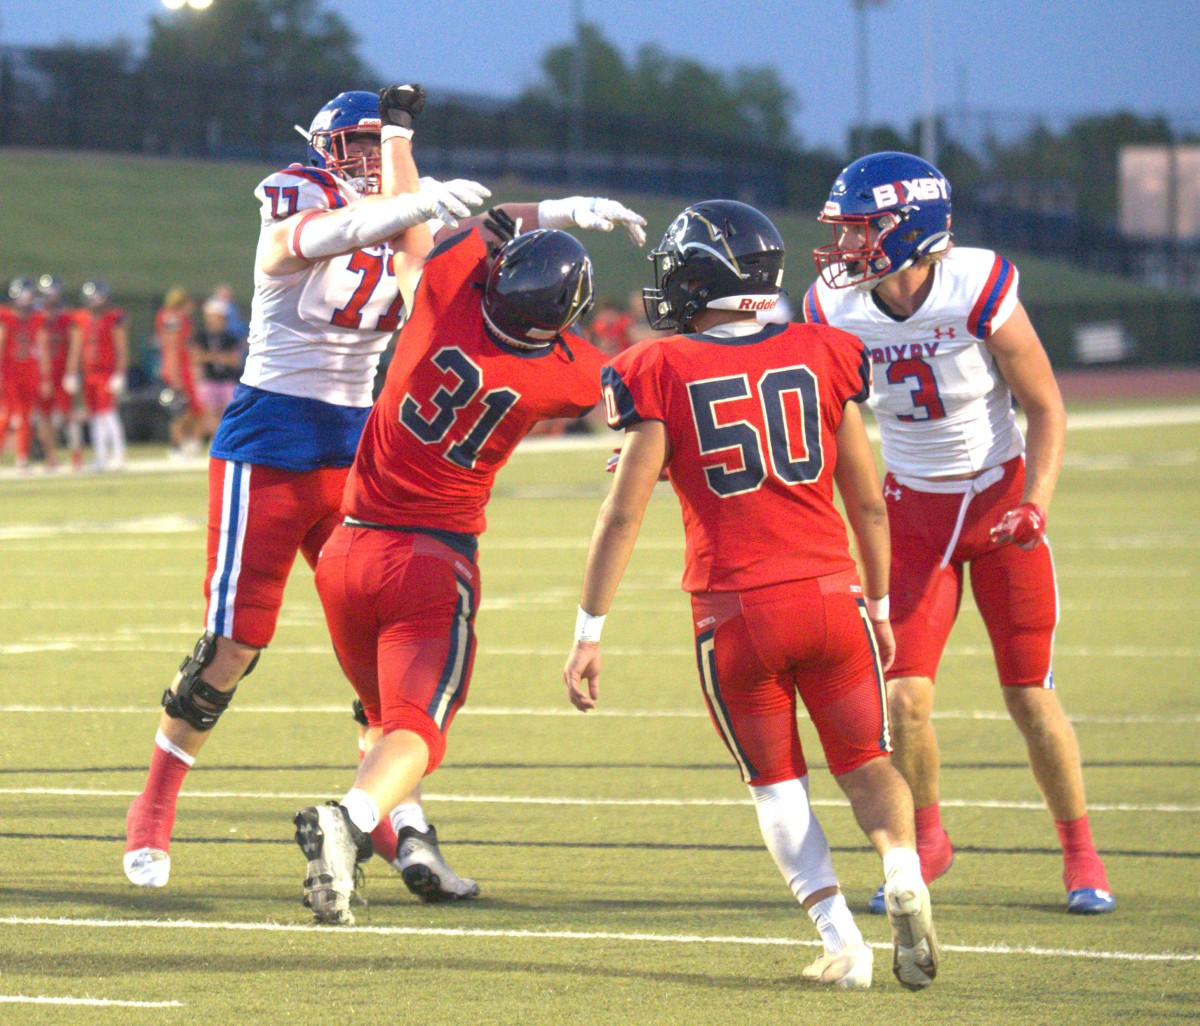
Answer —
(347, 114)
(901, 200)
(50, 288)
(539, 285)
(95, 293)
(717, 255)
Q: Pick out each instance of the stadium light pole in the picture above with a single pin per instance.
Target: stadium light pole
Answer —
(858, 134)
(578, 79)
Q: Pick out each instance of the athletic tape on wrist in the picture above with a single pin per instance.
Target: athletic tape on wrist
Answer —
(588, 627)
(394, 132)
(880, 608)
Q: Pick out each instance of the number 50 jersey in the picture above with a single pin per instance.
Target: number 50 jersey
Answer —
(943, 408)
(455, 403)
(752, 423)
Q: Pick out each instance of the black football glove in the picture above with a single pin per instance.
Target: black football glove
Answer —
(400, 104)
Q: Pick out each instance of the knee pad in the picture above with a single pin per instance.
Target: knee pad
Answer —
(182, 704)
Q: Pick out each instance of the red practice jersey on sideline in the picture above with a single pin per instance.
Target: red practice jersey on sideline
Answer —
(455, 403)
(751, 421)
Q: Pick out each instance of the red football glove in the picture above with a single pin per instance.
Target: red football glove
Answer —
(1024, 526)
(615, 458)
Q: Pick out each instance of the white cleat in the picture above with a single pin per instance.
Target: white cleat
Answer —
(849, 969)
(148, 867)
(914, 944)
(425, 872)
(333, 847)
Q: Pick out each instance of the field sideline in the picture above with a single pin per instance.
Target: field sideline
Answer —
(623, 877)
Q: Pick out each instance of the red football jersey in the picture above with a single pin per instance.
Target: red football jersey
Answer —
(20, 337)
(99, 350)
(455, 404)
(751, 422)
(58, 340)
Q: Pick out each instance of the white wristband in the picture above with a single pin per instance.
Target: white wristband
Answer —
(394, 132)
(588, 627)
(879, 609)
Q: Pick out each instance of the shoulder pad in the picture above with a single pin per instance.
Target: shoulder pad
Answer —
(298, 188)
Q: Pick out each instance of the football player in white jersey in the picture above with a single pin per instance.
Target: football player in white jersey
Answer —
(341, 246)
(951, 346)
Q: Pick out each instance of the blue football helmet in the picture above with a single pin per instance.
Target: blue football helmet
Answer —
(899, 206)
(23, 292)
(95, 293)
(540, 284)
(50, 288)
(347, 114)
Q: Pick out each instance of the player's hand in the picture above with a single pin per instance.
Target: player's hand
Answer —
(592, 213)
(615, 459)
(448, 201)
(885, 642)
(583, 665)
(400, 104)
(70, 384)
(116, 383)
(1024, 526)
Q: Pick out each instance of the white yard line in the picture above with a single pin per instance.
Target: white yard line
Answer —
(23, 999)
(579, 935)
(509, 799)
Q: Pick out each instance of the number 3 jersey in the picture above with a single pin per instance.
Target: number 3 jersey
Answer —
(316, 337)
(751, 421)
(943, 408)
(455, 403)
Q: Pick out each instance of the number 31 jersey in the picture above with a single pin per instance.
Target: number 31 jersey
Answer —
(455, 403)
(752, 422)
(943, 408)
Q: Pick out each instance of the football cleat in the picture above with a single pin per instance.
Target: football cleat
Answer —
(148, 867)
(942, 859)
(849, 969)
(915, 952)
(424, 871)
(334, 847)
(1090, 901)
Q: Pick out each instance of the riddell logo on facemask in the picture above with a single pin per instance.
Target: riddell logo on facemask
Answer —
(757, 304)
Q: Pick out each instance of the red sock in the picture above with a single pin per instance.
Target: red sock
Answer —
(152, 815)
(385, 840)
(1081, 865)
(933, 843)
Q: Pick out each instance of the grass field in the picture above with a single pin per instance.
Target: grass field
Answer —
(623, 877)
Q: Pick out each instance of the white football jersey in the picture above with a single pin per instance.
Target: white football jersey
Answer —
(943, 408)
(319, 333)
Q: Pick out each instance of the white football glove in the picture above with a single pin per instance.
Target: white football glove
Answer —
(592, 212)
(448, 201)
(116, 384)
(70, 384)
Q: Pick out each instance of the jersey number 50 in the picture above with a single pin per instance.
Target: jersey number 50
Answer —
(789, 398)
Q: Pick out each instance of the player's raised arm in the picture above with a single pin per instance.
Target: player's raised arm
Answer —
(642, 458)
(857, 480)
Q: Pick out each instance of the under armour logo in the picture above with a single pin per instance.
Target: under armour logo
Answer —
(890, 493)
(938, 333)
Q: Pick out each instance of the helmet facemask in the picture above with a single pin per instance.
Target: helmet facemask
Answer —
(361, 171)
(864, 266)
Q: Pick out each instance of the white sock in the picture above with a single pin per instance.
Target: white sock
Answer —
(169, 746)
(901, 860)
(362, 809)
(794, 837)
(116, 435)
(410, 815)
(835, 923)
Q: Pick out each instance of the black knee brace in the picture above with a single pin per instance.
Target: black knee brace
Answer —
(181, 703)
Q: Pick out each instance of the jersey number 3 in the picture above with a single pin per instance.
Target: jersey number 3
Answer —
(791, 409)
(449, 407)
(925, 395)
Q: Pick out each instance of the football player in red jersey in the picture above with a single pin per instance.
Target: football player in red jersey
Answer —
(173, 334)
(952, 347)
(756, 422)
(58, 409)
(23, 367)
(96, 364)
(487, 353)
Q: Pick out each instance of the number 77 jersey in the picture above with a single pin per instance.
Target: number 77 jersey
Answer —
(943, 408)
(752, 425)
(456, 403)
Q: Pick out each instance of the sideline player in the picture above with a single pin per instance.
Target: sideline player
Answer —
(952, 346)
(173, 336)
(756, 423)
(58, 411)
(96, 365)
(486, 355)
(24, 372)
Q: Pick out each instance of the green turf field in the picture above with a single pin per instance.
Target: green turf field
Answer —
(624, 881)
